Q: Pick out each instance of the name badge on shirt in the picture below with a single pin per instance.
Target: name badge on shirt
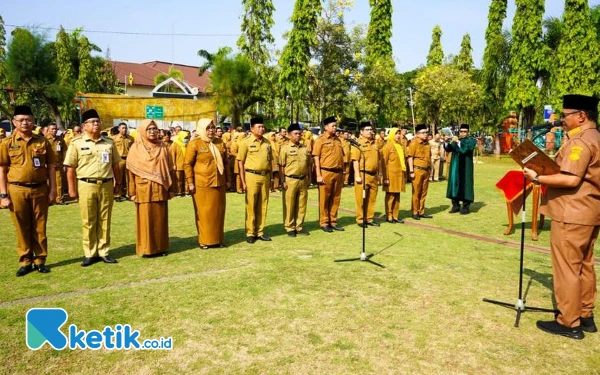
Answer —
(105, 157)
(36, 162)
(57, 147)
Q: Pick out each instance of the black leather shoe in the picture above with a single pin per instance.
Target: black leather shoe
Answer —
(425, 216)
(556, 328)
(339, 229)
(251, 239)
(588, 324)
(373, 224)
(362, 225)
(416, 217)
(303, 232)
(399, 221)
(391, 221)
(327, 229)
(42, 268)
(464, 210)
(454, 209)
(264, 238)
(108, 259)
(291, 234)
(24, 270)
(88, 261)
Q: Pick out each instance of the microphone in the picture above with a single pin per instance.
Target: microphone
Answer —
(353, 142)
(547, 126)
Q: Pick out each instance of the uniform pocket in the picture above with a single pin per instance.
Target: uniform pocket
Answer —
(16, 156)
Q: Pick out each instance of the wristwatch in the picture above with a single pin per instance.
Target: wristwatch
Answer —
(3, 195)
(536, 180)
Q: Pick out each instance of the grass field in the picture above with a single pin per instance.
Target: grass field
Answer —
(284, 307)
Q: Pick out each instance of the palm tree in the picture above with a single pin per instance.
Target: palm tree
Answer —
(211, 58)
(172, 73)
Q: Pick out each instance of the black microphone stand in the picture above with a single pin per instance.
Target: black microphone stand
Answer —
(363, 255)
(519, 306)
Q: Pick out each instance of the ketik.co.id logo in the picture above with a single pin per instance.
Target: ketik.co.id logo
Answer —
(43, 325)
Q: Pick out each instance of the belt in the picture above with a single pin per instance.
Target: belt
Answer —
(370, 173)
(124, 157)
(260, 173)
(28, 184)
(334, 170)
(97, 181)
(421, 168)
(296, 177)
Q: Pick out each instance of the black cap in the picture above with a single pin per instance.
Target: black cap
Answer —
(329, 120)
(293, 127)
(420, 127)
(464, 126)
(256, 120)
(581, 102)
(364, 124)
(90, 113)
(23, 110)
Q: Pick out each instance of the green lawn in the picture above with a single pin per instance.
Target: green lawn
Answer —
(284, 307)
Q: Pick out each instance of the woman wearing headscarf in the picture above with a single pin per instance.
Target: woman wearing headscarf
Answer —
(206, 178)
(152, 182)
(235, 146)
(178, 149)
(394, 175)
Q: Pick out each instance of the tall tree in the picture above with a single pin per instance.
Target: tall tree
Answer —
(436, 53)
(257, 21)
(379, 46)
(211, 58)
(578, 60)
(526, 60)
(464, 60)
(297, 52)
(4, 104)
(64, 58)
(87, 75)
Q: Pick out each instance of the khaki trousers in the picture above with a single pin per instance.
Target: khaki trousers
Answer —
(435, 170)
(330, 194)
(294, 199)
(392, 205)
(573, 270)
(59, 176)
(371, 187)
(124, 176)
(420, 184)
(347, 173)
(95, 207)
(29, 212)
(257, 200)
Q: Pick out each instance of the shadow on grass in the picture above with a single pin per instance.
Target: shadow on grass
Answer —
(543, 278)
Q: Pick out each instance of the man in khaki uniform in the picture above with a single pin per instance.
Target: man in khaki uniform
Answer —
(60, 149)
(347, 158)
(254, 157)
(436, 154)
(419, 164)
(123, 143)
(366, 162)
(328, 154)
(27, 163)
(294, 169)
(92, 163)
(572, 200)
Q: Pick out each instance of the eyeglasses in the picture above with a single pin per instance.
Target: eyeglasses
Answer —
(463, 131)
(211, 127)
(93, 122)
(23, 120)
(151, 129)
(423, 132)
(563, 114)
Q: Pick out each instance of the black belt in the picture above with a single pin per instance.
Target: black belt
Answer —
(260, 173)
(295, 176)
(370, 173)
(95, 180)
(28, 184)
(124, 157)
(334, 170)
(421, 168)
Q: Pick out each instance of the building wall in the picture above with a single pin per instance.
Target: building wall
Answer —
(143, 91)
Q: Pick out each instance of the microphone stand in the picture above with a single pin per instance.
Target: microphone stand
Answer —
(363, 255)
(519, 306)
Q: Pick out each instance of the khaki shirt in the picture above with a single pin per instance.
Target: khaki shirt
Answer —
(579, 156)
(92, 159)
(256, 154)
(436, 149)
(200, 165)
(347, 150)
(369, 155)
(28, 161)
(123, 143)
(420, 152)
(330, 151)
(295, 159)
(60, 149)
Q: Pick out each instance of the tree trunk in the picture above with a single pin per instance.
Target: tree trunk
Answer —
(54, 109)
(235, 116)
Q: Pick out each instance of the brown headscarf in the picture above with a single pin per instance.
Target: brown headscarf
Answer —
(203, 123)
(150, 160)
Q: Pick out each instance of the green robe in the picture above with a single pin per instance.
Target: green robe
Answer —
(460, 176)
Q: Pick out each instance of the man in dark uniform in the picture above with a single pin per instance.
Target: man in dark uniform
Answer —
(328, 154)
(419, 163)
(366, 162)
(460, 177)
(572, 200)
(255, 163)
(27, 186)
(123, 143)
(60, 149)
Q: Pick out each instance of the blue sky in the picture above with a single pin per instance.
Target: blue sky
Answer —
(218, 23)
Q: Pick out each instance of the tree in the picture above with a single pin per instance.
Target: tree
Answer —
(436, 53)
(379, 46)
(464, 60)
(578, 60)
(257, 21)
(211, 58)
(296, 54)
(595, 14)
(526, 60)
(4, 104)
(172, 73)
(86, 77)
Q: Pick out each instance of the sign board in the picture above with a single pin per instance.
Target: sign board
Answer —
(547, 113)
(154, 112)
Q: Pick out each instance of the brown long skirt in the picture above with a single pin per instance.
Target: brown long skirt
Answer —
(209, 205)
(152, 228)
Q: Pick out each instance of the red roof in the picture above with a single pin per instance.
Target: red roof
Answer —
(144, 73)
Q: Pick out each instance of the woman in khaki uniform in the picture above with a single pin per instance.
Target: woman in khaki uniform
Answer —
(205, 173)
(394, 175)
(152, 182)
(235, 147)
(178, 149)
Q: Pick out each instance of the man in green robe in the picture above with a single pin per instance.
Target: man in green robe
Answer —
(460, 177)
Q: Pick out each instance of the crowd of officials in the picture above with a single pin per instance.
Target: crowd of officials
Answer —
(156, 165)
